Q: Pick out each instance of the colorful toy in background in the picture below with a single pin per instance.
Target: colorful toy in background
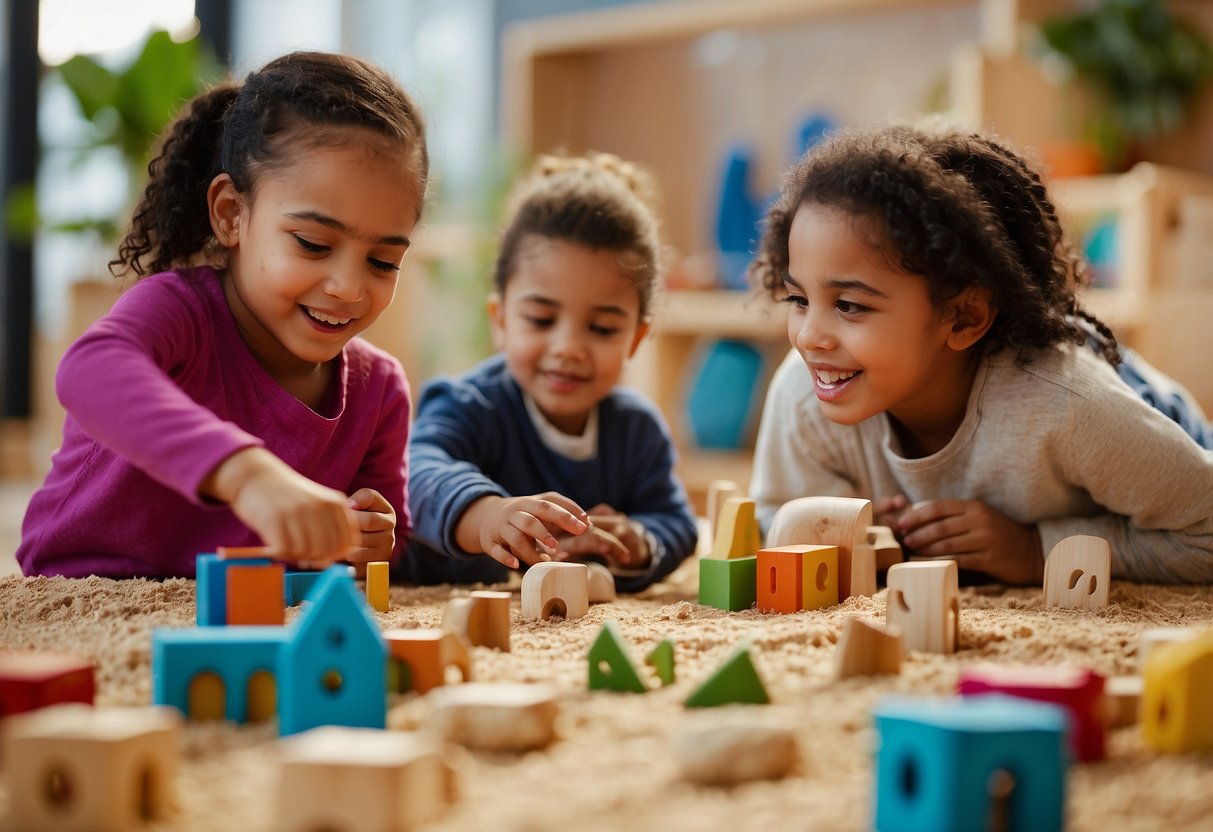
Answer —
(1100, 246)
(725, 396)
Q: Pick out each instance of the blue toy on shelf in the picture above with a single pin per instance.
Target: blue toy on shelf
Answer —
(725, 397)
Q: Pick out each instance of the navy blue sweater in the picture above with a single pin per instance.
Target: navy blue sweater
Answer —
(473, 437)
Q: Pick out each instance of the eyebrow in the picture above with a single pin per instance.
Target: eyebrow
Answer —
(546, 301)
(338, 225)
(857, 285)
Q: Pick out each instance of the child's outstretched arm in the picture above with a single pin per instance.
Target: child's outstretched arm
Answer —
(976, 536)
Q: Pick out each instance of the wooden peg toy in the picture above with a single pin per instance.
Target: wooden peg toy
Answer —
(719, 493)
(108, 769)
(482, 619)
(867, 649)
(831, 521)
(428, 654)
(736, 534)
(600, 584)
(798, 577)
(32, 679)
(495, 716)
(552, 588)
(884, 544)
(377, 580)
(1078, 573)
(256, 595)
(736, 680)
(924, 603)
(346, 779)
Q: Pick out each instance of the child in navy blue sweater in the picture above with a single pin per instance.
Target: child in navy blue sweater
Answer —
(536, 454)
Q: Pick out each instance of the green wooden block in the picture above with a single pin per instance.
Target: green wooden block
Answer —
(610, 667)
(399, 676)
(728, 584)
(662, 661)
(734, 681)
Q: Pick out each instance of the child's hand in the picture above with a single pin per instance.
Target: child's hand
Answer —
(976, 536)
(613, 536)
(296, 518)
(886, 511)
(514, 529)
(376, 526)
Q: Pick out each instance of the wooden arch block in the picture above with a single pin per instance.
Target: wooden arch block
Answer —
(601, 583)
(428, 653)
(1078, 573)
(482, 619)
(867, 649)
(831, 521)
(552, 588)
(924, 602)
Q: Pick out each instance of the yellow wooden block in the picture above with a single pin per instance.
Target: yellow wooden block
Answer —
(737, 534)
(377, 585)
(1175, 712)
(819, 576)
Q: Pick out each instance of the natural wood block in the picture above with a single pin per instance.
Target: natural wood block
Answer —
(428, 653)
(377, 585)
(867, 649)
(885, 546)
(719, 493)
(1078, 573)
(737, 748)
(600, 583)
(798, 577)
(1121, 700)
(924, 603)
(736, 534)
(1158, 636)
(551, 588)
(495, 716)
(31, 679)
(831, 521)
(352, 779)
(482, 619)
(85, 769)
(256, 595)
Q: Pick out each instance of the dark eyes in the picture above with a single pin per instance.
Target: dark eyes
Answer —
(316, 248)
(546, 323)
(796, 300)
(846, 307)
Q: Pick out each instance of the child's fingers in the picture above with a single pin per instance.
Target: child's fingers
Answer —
(522, 545)
(568, 505)
(374, 521)
(502, 555)
(368, 499)
(556, 517)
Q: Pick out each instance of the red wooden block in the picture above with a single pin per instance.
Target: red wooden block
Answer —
(1078, 690)
(32, 679)
(256, 594)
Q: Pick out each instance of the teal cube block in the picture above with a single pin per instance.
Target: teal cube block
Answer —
(728, 584)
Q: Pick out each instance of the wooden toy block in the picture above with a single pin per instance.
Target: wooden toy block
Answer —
(1078, 690)
(552, 588)
(377, 585)
(210, 673)
(333, 668)
(32, 679)
(738, 748)
(736, 534)
(884, 544)
(256, 595)
(600, 583)
(495, 716)
(211, 586)
(107, 769)
(482, 619)
(989, 762)
(342, 779)
(1122, 700)
(736, 680)
(924, 603)
(428, 654)
(661, 659)
(1175, 713)
(1158, 636)
(610, 667)
(831, 521)
(728, 584)
(798, 577)
(867, 649)
(1078, 573)
(719, 493)
(298, 584)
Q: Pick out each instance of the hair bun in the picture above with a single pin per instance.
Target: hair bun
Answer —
(635, 178)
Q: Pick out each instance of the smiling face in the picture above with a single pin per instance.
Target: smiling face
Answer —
(870, 335)
(567, 323)
(315, 254)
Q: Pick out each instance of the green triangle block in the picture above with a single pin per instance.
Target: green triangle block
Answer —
(734, 681)
(662, 661)
(610, 667)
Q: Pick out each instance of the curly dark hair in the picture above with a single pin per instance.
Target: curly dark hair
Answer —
(960, 209)
(300, 100)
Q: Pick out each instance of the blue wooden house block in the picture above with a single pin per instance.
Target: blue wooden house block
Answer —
(297, 585)
(970, 764)
(211, 573)
(233, 654)
(333, 670)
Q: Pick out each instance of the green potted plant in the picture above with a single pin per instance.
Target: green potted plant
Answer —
(1143, 63)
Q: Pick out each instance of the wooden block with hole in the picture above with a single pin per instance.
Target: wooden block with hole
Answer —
(108, 769)
(885, 546)
(799, 577)
(736, 534)
(1078, 573)
(377, 585)
(552, 588)
(256, 595)
(353, 779)
(719, 493)
(831, 521)
(495, 716)
(482, 619)
(867, 649)
(32, 679)
(1175, 713)
(924, 603)
(431, 656)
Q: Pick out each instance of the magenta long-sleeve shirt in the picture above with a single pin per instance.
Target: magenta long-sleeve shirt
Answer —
(163, 389)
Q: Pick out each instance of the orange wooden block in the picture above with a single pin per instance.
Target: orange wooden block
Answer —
(256, 595)
(797, 577)
(428, 653)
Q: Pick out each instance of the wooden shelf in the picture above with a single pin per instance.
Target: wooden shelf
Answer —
(719, 314)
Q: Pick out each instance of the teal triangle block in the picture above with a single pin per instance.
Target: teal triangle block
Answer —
(734, 681)
(662, 661)
(610, 667)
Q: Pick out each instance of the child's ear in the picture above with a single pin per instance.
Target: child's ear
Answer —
(496, 320)
(223, 205)
(973, 315)
(641, 331)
